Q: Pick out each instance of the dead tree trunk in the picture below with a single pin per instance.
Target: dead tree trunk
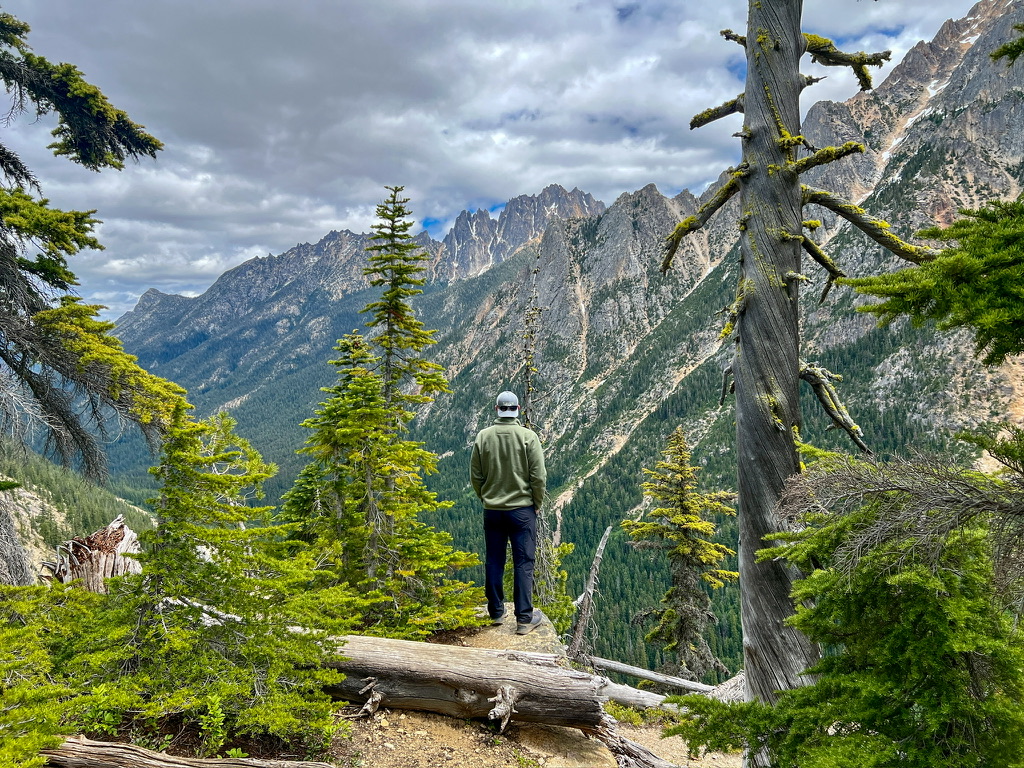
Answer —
(767, 363)
(80, 752)
(585, 603)
(98, 557)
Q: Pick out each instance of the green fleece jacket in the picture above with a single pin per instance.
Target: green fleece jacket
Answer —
(507, 469)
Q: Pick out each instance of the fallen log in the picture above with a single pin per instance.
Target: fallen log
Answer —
(80, 752)
(461, 682)
(499, 685)
(646, 674)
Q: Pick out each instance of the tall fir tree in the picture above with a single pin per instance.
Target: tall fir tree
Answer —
(396, 265)
(681, 528)
(360, 499)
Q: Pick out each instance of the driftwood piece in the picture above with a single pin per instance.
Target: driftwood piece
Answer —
(98, 557)
(80, 752)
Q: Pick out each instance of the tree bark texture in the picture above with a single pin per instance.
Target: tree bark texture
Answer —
(462, 682)
(98, 557)
(80, 752)
(766, 365)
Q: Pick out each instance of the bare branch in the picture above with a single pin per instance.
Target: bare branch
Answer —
(705, 212)
(821, 380)
(823, 51)
(825, 262)
(920, 502)
(730, 107)
(876, 229)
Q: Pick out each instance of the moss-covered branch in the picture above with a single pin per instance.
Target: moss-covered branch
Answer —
(695, 222)
(821, 380)
(730, 107)
(827, 155)
(825, 262)
(823, 51)
(876, 229)
(728, 34)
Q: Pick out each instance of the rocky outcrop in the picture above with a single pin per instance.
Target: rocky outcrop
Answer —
(478, 242)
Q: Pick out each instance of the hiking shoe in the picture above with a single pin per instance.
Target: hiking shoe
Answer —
(497, 621)
(525, 629)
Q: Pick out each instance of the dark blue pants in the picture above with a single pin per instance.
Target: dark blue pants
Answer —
(518, 526)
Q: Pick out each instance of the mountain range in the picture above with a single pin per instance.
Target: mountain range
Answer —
(625, 354)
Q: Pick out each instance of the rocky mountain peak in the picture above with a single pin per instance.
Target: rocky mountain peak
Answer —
(477, 241)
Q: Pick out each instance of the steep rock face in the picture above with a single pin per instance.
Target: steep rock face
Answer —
(477, 242)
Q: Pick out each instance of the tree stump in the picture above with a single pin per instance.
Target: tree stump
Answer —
(98, 557)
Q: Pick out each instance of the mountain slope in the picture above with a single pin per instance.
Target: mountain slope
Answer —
(626, 354)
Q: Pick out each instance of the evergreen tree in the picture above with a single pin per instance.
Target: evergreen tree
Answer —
(54, 352)
(396, 263)
(977, 282)
(30, 698)
(926, 667)
(360, 499)
(208, 635)
(681, 528)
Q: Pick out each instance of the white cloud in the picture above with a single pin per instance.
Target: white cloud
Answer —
(284, 121)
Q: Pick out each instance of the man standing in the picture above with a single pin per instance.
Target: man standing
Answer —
(508, 475)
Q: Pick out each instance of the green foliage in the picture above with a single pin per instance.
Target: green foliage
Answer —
(90, 130)
(54, 353)
(30, 700)
(925, 666)
(208, 634)
(360, 500)
(681, 528)
(1012, 50)
(975, 283)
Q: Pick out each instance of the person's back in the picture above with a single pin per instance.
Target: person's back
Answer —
(508, 475)
(508, 466)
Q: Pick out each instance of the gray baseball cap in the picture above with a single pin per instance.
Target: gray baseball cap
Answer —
(508, 401)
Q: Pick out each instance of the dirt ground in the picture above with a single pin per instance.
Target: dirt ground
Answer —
(394, 739)
(409, 739)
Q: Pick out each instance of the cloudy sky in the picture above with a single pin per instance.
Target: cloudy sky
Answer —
(283, 121)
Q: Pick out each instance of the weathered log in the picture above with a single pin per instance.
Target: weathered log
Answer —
(80, 752)
(98, 557)
(646, 674)
(500, 685)
(464, 682)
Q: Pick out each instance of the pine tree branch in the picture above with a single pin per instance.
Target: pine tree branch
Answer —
(704, 213)
(876, 229)
(823, 51)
